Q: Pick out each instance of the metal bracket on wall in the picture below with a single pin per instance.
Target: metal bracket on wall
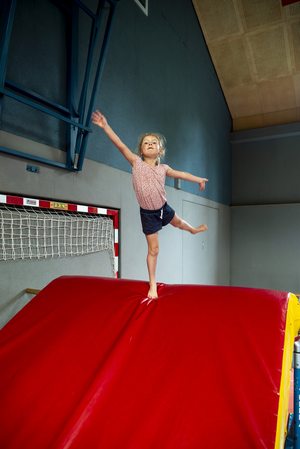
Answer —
(77, 115)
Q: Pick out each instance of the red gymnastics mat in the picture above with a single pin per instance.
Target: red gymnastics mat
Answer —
(90, 363)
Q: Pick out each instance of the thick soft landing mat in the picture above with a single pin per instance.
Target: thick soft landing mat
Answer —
(90, 363)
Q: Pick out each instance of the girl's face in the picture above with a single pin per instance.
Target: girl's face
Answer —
(150, 146)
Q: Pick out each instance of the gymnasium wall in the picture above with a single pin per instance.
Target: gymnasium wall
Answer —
(265, 215)
(158, 76)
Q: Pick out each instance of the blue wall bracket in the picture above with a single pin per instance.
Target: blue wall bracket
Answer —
(77, 117)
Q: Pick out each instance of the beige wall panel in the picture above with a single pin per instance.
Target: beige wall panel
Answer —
(255, 47)
(295, 33)
(231, 62)
(296, 79)
(258, 12)
(268, 50)
(292, 10)
(281, 117)
(277, 95)
(244, 100)
(217, 21)
(250, 122)
(269, 119)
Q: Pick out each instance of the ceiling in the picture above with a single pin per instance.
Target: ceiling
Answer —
(255, 48)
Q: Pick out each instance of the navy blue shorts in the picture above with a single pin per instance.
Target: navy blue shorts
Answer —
(154, 220)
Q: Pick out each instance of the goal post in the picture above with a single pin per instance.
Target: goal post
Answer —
(33, 228)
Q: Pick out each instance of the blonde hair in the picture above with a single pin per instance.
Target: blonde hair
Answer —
(162, 142)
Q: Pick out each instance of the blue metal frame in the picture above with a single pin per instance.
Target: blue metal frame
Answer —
(78, 118)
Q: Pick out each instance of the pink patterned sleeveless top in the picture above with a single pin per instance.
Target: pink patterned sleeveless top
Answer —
(149, 184)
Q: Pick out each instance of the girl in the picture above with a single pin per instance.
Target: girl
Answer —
(148, 176)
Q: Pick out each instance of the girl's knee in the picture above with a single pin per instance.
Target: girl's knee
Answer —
(153, 245)
(153, 250)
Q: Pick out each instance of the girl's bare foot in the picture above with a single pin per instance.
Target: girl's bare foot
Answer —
(152, 293)
(201, 228)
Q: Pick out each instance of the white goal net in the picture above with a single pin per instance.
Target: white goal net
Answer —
(39, 234)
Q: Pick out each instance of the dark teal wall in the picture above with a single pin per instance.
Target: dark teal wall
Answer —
(37, 61)
(159, 77)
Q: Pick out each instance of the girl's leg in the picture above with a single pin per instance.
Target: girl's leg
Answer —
(178, 222)
(153, 249)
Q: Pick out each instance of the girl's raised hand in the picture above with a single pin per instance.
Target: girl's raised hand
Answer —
(99, 119)
(202, 183)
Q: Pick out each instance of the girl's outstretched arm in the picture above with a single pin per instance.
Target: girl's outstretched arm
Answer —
(100, 120)
(187, 177)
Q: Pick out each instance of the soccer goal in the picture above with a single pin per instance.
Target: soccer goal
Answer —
(33, 228)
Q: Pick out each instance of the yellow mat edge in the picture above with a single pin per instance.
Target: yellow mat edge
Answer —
(292, 327)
